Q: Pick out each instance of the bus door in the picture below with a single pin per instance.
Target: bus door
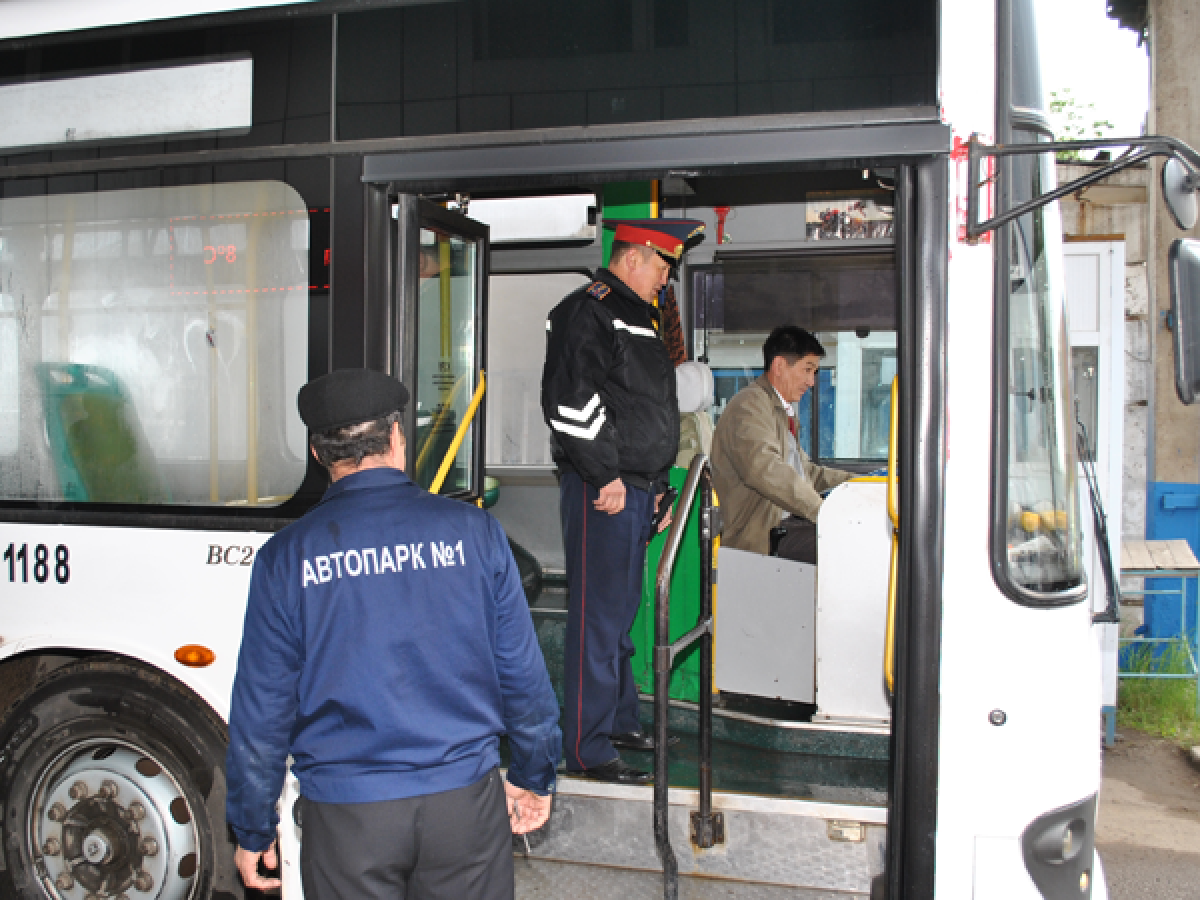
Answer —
(440, 264)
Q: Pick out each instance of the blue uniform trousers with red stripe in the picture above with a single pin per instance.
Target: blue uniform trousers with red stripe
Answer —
(605, 557)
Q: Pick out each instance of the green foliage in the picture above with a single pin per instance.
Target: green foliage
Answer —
(1075, 121)
(1165, 707)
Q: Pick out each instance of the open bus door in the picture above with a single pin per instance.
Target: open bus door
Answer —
(441, 265)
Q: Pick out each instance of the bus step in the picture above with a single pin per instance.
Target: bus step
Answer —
(606, 832)
(544, 879)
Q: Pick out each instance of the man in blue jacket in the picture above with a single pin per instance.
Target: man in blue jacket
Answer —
(387, 647)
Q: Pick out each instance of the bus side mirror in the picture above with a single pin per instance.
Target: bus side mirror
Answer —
(1179, 187)
(1183, 264)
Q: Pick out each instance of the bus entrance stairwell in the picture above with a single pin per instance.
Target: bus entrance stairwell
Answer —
(707, 828)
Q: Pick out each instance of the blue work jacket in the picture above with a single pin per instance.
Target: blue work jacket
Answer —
(387, 647)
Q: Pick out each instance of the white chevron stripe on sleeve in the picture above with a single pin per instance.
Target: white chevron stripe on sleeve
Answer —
(580, 415)
(635, 329)
(587, 434)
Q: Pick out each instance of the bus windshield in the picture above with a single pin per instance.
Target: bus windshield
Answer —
(1036, 539)
(1043, 529)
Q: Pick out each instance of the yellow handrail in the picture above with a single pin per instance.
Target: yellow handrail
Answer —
(893, 508)
(452, 452)
(435, 423)
(889, 637)
(893, 493)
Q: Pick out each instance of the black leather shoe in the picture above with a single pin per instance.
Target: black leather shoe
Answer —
(638, 740)
(615, 772)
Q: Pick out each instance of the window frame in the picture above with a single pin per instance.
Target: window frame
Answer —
(414, 214)
(1009, 119)
(808, 249)
(198, 515)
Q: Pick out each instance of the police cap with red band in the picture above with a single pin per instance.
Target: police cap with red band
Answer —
(670, 237)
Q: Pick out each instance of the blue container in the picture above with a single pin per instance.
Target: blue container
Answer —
(1172, 512)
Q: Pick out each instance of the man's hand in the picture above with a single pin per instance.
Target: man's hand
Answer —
(527, 811)
(666, 520)
(611, 499)
(247, 866)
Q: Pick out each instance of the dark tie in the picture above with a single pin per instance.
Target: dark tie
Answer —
(792, 424)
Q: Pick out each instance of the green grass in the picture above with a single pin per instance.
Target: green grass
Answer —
(1165, 707)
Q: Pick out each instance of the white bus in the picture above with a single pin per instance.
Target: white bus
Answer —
(203, 205)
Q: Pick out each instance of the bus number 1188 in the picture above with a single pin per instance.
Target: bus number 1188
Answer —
(39, 561)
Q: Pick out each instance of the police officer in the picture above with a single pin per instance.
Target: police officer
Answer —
(608, 395)
(387, 647)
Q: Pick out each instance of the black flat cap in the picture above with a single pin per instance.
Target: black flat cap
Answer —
(348, 397)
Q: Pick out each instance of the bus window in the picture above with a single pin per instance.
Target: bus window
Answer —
(151, 345)
(848, 301)
(853, 395)
(1044, 554)
(501, 65)
(446, 363)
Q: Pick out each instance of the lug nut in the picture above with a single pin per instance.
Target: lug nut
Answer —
(64, 882)
(108, 788)
(79, 791)
(137, 811)
(143, 881)
(57, 812)
(51, 847)
(149, 846)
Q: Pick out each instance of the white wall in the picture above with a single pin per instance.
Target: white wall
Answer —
(1117, 210)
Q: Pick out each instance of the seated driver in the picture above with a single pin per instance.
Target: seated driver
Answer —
(759, 471)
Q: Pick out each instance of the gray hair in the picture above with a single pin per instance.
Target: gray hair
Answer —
(355, 442)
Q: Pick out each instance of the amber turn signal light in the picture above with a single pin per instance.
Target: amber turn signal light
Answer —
(195, 656)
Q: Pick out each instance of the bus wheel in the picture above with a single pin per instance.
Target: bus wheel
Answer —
(114, 784)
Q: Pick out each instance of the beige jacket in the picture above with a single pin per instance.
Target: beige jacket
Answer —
(754, 481)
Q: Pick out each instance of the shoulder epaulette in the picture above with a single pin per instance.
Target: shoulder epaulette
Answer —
(599, 290)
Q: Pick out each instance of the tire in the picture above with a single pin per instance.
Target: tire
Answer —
(113, 785)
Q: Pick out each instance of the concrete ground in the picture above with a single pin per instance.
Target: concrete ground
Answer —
(1148, 825)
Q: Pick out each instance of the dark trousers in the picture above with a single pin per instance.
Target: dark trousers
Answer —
(454, 845)
(799, 540)
(605, 556)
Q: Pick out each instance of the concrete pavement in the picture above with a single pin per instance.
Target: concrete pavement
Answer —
(1148, 824)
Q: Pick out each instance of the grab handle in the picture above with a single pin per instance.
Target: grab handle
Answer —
(452, 452)
(893, 508)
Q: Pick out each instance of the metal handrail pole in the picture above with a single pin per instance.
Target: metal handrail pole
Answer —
(706, 654)
(662, 676)
(662, 838)
(688, 639)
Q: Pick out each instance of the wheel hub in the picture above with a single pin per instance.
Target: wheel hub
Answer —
(101, 845)
(109, 821)
(96, 849)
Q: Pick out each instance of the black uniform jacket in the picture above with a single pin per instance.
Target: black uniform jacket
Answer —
(608, 387)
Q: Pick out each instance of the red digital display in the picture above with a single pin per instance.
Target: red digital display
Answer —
(219, 254)
(227, 251)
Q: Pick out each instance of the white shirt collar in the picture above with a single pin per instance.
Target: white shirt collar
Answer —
(787, 407)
